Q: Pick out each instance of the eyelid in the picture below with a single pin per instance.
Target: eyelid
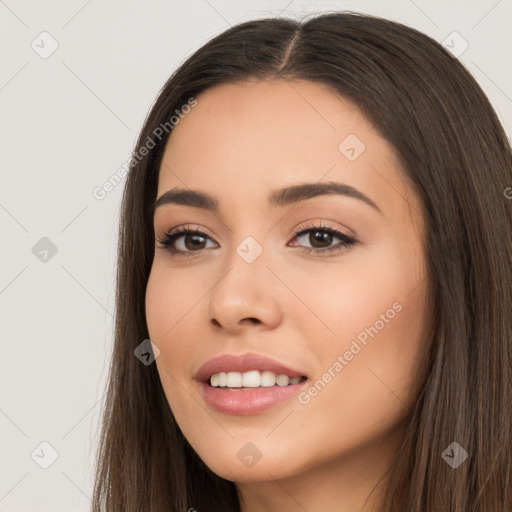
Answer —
(183, 230)
(318, 224)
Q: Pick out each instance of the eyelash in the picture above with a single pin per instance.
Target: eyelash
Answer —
(170, 237)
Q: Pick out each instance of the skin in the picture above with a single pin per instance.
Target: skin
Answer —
(239, 143)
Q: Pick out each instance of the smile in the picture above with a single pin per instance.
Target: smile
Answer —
(252, 379)
(247, 384)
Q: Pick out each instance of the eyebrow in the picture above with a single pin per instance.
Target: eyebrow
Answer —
(278, 198)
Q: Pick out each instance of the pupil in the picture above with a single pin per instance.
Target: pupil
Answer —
(318, 236)
(195, 244)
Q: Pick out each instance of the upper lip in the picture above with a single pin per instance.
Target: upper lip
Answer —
(243, 363)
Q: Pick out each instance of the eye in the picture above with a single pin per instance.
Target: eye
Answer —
(193, 241)
(187, 242)
(321, 237)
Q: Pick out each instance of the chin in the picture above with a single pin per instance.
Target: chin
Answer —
(260, 472)
(242, 461)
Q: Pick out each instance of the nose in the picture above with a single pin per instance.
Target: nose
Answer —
(247, 296)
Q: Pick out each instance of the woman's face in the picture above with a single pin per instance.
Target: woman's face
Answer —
(348, 320)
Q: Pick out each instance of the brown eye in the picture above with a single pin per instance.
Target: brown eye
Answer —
(192, 242)
(184, 241)
(321, 239)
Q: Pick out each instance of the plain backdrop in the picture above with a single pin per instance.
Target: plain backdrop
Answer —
(77, 79)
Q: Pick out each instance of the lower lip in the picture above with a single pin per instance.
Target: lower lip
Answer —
(249, 400)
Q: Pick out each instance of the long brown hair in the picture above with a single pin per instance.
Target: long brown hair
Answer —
(455, 153)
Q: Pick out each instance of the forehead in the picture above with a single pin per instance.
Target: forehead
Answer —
(249, 137)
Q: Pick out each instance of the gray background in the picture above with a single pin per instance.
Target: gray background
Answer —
(69, 121)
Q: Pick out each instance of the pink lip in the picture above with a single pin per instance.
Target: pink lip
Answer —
(245, 401)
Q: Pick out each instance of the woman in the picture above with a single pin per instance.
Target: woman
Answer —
(316, 240)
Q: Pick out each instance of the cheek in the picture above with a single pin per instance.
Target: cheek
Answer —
(367, 287)
(376, 387)
(371, 312)
(378, 383)
(170, 298)
(170, 303)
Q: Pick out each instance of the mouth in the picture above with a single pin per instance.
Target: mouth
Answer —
(247, 384)
(237, 381)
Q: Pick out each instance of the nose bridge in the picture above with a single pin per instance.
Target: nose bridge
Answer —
(246, 289)
(246, 269)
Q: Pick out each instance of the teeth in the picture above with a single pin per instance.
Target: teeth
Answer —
(251, 379)
(282, 380)
(234, 380)
(268, 379)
